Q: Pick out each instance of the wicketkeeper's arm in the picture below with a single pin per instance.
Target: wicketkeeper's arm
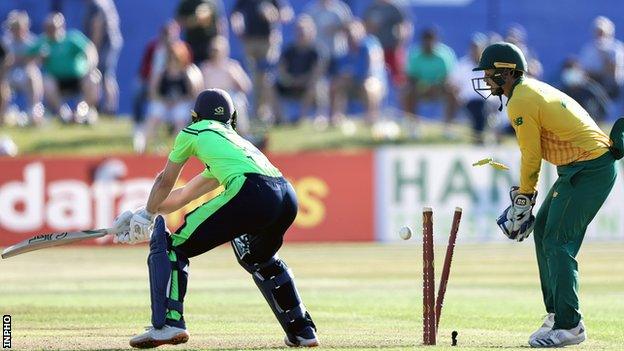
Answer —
(525, 121)
(181, 196)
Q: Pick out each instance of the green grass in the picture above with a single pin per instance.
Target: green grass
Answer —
(361, 296)
(108, 136)
(114, 136)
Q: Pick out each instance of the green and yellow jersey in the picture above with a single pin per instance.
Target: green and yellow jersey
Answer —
(226, 154)
(550, 125)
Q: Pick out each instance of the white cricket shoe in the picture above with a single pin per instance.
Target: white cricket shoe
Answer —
(561, 337)
(305, 338)
(155, 337)
(549, 322)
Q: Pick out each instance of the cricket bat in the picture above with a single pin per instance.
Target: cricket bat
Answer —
(43, 241)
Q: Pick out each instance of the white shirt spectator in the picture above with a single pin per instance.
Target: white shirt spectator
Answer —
(461, 78)
(594, 55)
(330, 18)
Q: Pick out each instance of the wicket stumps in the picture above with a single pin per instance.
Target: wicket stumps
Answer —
(432, 308)
(429, 320)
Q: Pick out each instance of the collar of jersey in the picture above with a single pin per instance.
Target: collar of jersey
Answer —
(205, 124)
(513, 87)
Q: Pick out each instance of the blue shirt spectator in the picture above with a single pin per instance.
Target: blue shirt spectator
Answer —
(365, 60)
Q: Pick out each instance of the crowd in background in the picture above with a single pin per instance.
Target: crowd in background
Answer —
(337, 64)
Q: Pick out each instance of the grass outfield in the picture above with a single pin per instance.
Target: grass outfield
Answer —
(114, 136)
(361, 296)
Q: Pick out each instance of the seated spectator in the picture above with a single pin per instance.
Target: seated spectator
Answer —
(460, 79)
(201, 21)
(172, 92)
(23, 76)
(603, 58)
(517, 35)
(102, 28)
(70, 67)
(428, 67)
(390, 24)
(298, 72)
(222, 72)
(581, 87)
(361, 75)
(257, 23)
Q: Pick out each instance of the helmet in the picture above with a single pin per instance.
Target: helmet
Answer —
(214, 104)
(502, 55)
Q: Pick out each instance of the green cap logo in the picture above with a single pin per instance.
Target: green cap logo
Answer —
(518, 121)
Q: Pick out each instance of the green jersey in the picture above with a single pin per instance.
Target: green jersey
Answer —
(66, 58)
(226, 154)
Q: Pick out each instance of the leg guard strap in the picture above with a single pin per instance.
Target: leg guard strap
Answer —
(276, 281)
(174, 305)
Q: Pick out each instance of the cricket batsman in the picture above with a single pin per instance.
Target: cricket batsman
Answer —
(552, 126)
(253, 213)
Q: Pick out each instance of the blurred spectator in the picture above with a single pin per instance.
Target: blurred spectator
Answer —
(461, 81)
(428, 67)
(222, 72)
(70, 66)
(152, 63)
(517, 35)
(360, 74)
(299, 69)
(331, 18)
(256, 22)
(578, 85)
(172, 92)
(201, 21)
(5, 91)
(23, 74)
(102, 28)
(603, 58)
(390, 24)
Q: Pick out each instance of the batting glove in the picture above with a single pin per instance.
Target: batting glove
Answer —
(122, 222)
(122, 237)
(141, 225)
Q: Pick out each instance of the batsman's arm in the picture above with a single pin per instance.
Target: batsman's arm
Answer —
(162, 185)
(181, 196)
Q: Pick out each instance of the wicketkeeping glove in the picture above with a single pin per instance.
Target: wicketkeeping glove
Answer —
(517, 220)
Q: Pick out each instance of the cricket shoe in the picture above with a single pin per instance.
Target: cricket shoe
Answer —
(155, 337)
(305, 338)
(561, 337)
(549, 322)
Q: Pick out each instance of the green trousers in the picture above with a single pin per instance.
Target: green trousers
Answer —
(560, 226)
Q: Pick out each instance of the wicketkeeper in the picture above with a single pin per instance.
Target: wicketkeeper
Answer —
(552, 126)
(253, 213)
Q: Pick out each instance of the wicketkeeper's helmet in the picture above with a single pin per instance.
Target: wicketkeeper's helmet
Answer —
(499, 56)
(502, 55)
